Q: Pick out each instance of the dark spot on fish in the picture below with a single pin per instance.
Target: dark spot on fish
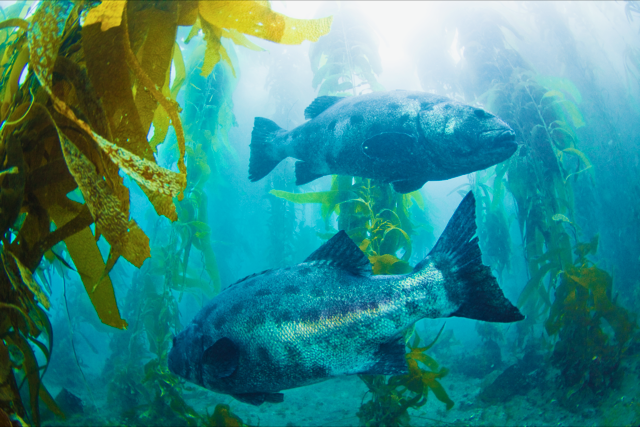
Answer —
(414, 97)
(294, 356)
(263, 292)
(393, 105)
(424, 106)
(291, 289)
(404, 119)
(369, 305)
(356, 119)
(219, 322)
(318, 371)
(285, 316)
(412, 307)
(263, 354)
(287, 268)
(332, 125)
(255, 321)
(311, 315)
(209, 309)
(317, 292)
(237, 307)
(305, 271)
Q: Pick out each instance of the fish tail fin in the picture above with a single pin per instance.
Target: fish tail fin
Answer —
(264, 154)
(468, 283)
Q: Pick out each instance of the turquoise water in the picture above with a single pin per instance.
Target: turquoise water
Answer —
(558, 222)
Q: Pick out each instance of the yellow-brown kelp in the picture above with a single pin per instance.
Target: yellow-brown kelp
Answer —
(97, 79)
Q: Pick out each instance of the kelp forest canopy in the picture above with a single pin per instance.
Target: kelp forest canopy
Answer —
(125, 202)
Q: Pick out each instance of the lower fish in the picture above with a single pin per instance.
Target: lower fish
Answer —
(328, 316)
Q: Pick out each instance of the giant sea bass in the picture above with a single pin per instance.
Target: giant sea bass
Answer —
(328, 316)
(404, 138)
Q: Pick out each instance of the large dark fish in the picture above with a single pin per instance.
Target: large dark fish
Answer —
(327, 316)
(403, 138)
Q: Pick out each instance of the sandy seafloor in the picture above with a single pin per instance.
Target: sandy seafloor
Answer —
(335, 403)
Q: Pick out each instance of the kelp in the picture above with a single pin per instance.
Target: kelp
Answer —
(566, 293)
(80, 86)
(391, 398)
(586, 354)
(346, 61)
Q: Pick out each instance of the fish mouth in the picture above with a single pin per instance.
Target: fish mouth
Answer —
(500, 139)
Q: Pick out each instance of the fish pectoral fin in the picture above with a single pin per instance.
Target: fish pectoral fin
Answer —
(389, 359)
(220, 360)
(305, 173)
(258, 399)
(408, 185)
(320, 105)
(341, 252)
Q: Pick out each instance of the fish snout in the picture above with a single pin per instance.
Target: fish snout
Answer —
(502, 140)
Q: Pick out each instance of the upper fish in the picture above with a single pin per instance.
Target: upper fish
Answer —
(405, 138)
(328, 316)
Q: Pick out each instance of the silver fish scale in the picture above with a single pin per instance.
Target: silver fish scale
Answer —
(309, 322)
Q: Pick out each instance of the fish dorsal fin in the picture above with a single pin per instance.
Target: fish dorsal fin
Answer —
(244, 279)
(319, 105)
(341, 252)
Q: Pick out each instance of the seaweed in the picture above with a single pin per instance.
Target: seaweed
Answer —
(392, 398)
(97, 78)
(346, 61)
(565, 292)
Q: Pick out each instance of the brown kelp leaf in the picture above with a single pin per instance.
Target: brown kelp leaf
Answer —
(122, 234)
(187, 12)
(389, 264)
(181, 71)
(145, 172)
(44, 36)
(12, 181)
(238, 38)
(108, 14)
(214, 50)
(170, 106)
(34, 287)
(88, 261)
(255, 19)
(31, 371)
(158, 29)
(430, 379)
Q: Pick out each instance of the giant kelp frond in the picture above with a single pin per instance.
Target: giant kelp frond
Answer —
(81, 84)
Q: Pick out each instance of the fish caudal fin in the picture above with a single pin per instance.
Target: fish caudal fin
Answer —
(264, 155)
(467, 282)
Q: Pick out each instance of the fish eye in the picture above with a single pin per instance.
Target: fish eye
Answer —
(480, 113)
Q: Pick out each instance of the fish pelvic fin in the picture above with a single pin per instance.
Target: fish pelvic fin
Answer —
(467, 281)
(264, 153)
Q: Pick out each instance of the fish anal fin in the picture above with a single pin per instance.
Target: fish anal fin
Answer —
(258, 399)
(389, 359)
(305, 173)
(220, 360)
(341, 252)
(320, 105)
(408, 185)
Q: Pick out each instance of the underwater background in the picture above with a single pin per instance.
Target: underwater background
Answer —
(125, 203)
